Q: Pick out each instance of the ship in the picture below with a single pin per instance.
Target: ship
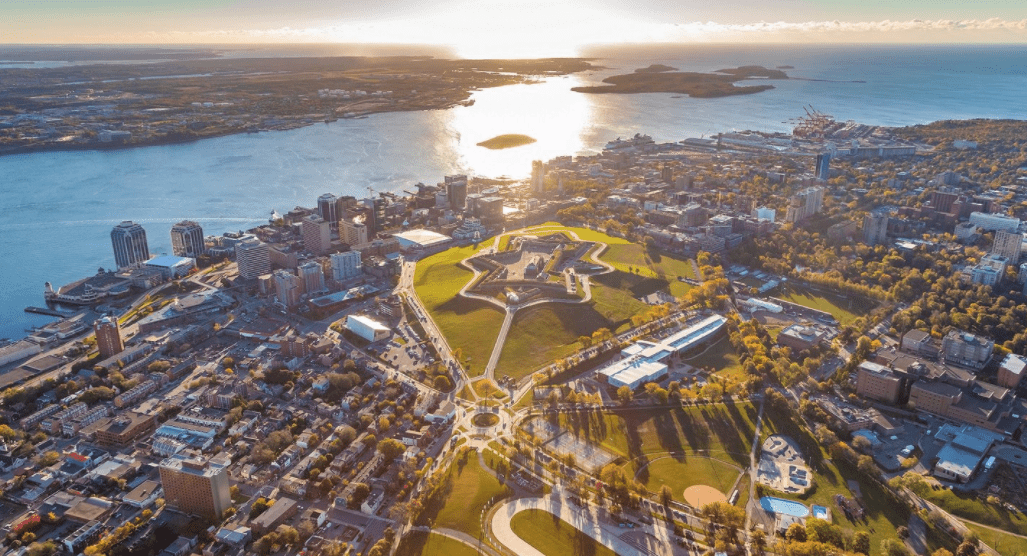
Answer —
(639, 141)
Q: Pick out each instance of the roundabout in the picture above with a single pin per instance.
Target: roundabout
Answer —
(484, 420)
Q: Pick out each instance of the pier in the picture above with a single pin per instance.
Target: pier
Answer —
(48, 312)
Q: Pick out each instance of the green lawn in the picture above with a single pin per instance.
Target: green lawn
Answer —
(723, 431)
(844, 309)
(469, 325)
(464, 490)
(684, 471)
(552, 536)
(720, 357)
(968, 506)
(1003, 543)
(419, 543)
(540, 335)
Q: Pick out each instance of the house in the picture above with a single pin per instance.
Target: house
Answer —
(373, 502)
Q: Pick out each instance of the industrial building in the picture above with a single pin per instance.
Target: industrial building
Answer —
(368, 329)
(644, 361)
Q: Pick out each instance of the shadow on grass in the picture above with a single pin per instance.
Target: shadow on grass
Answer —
(638, 285)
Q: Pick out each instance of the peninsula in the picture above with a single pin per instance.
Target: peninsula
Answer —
(507, 141)
(658, 79)
(104, 106)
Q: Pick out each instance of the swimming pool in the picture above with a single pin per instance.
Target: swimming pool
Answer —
(820, 512)
(782, 506)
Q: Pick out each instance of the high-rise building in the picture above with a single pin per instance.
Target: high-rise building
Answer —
(823, 170)
(195, 486)
(129, 241)
(288, 287)
(375, 215)
(187, 239)
(328, 209)
(538, 175)
(804, 204)
(456, 191)
(317, 234)
(312, 276)
(108, 337)
(346, 265)
(875, 229)
(353, 233)
(994, 222)
(1009, 245)
(254, 258)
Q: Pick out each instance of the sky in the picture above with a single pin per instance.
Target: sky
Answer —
(484, 28)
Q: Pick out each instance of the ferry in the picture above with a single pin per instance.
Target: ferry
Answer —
(639, 141)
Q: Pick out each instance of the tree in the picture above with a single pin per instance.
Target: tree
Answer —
(360, 493)
(666, 495)
(259, 506)
(42, 548)
(892, 547)
(796, 533)
(861, 542)
(391, 448)
(7, 433)
(625, 395)
(49, 458)
(759, 541)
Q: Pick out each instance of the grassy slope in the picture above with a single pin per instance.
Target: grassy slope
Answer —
(1003, 543)
(419, 543)
(469, 325)
(721, 357)
(968, 506)
(840, 307)
(552, 536)
(466, 488)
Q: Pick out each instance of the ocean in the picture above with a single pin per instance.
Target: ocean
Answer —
(59, 207)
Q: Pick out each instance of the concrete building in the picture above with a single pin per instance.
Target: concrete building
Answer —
(124, 428)
(804, 204)
(187, 239)
(195, 486)
(368, 329)
(875, 229)
(352, 233)
(108, 337)
(966, 350)
(129, 242)
(254, 258)
(317, 234)
(989, 271)
(456, 190)
(288, 288)
(1011, 371)
(961, 456)
(920, 343)
(1008, 245)
(799, 337)
(312, 276)
(879, 383)
(345, 265)
(994, 222)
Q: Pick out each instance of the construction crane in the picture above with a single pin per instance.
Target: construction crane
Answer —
(814, 124)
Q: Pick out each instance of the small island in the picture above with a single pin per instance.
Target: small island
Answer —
(656, 68)
(694, 84)
(507, 141)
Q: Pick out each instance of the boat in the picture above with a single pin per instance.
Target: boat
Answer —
(638, 141)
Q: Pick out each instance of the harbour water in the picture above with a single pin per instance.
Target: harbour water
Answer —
(58, 207)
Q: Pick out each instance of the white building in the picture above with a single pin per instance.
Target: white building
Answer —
(254, 258)
(368, 329)
(764, 213)
(171, 266)
(346, 265)
(352, 233)
(994, 222)
(990, 270)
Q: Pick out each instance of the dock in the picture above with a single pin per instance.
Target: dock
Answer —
(48, 312)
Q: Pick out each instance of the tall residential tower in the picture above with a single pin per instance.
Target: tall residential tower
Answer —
(187, 239)
(129, 241)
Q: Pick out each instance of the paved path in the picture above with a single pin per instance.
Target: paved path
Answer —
(458, 536)
(585, 520)
(497, 349)
(752, 478)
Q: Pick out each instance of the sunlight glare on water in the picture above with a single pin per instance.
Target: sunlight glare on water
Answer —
(546, 111)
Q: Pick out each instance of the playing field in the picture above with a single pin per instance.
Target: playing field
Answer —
(681, 473)
(844, 309)
(552, 536)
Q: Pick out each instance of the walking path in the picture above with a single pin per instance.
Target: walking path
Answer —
(587, 520)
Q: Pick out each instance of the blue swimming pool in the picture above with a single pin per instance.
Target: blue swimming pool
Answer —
(820, 512)
(782, 506)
